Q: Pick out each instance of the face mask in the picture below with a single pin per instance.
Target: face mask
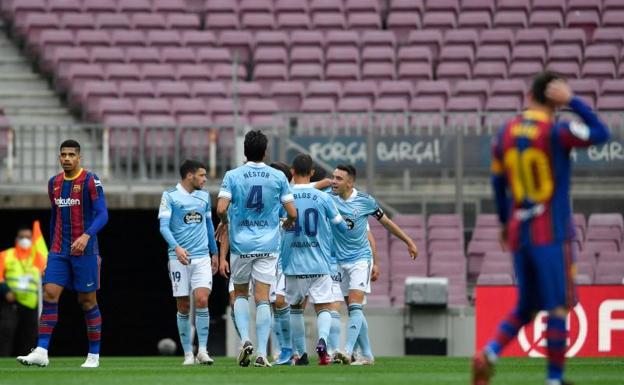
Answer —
(24, 243)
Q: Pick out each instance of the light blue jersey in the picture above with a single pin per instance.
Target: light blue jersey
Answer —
(353, 245)
(186, 221)
(256, 193)
(307, 246)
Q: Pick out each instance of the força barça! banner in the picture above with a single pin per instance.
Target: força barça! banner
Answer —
(596, 324)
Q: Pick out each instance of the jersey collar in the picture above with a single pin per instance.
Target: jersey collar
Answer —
(536, 115)
(74, 177)
(182, 189)
(352, 197)
(254, 164)
(306, 185)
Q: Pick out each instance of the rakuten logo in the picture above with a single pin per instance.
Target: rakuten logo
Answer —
(66, 202)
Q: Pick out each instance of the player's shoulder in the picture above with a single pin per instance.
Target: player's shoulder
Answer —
(364, 196)
(202, 194)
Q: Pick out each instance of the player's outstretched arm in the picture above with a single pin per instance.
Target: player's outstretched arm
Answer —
(399, 233)
(322, 184)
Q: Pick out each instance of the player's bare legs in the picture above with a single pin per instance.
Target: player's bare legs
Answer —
(333, 343)
(49, 317)
(202, 324)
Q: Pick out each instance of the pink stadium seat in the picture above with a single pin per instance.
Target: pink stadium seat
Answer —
(142, 55)
(360, 89)
(457, 54)
(158, 72)
(198, 39)
(415, 54)
(494, 53)
(77, 21)
(440, 20)
(525, 69)
(462, 37)
(588, 89)
(312, 38)
(195, 72)
(291, 7)
(550, 5)
(602, 53)
(608, 35)
(247, 91)
(49, 38)
(33, 23)
(497, 36)
(271, 39)
(510, 19)
(396, 89)
(136, 89)
(605, 234)
(221, 21)
(152, 107)
(324, 89)
(569, 69)
(378, 71)
(213, 56)
(182, 21)
(477, 20)
(587, 20)
(610, 273)
(261, 112)
(158, 38)
(238, 43)
(363, 21)
(208, 90)
(306, 72)
(611, 220)
(529, 54)
(486, 233)
(342, 72)
(487, 220)
(106, 55)
(148, 21)
(453, 71)
(599, 70)
(475, 88)
(575, 36)
(500, 279)
(292, 22)
(258, 21)
(169, 6)
(477, 250)
(307, 55)
(546, 19)
(430, 38)
(171, 90)
(271, 55)
(223, 72)
(112, 21)
(402, 23)
(287, 95)
(88, 37)
(127, 38)
(114, 106)
(591, 5)
(611, 256)
(329, 21)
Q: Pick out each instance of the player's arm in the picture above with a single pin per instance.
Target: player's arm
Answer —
(212, 243)
(499, 184)
(224, 265)
(373, 246)
(322, 184)
(100, 218)
(573, 134)
(5, 291)
(288, 201)
(331, 211)
(223, 203)
(164, 216)
(397, 232)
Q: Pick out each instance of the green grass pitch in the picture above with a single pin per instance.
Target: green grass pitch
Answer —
(388, 370)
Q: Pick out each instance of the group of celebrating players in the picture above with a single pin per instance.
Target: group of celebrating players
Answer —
(290, 239)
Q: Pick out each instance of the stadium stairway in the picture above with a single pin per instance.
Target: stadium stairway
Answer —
(31, 107)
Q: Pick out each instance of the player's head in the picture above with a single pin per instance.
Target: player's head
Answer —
(303, 166)
(319, 173)
(343, 178)
(23, 239)
(69, 155)
(283, 167)
(193, 173)
(255, 146)
(537, 94)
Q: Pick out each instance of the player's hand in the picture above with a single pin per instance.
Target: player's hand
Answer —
(10, 297)
(559, 93)
(288, 224)
(375, 273)
(77, 248)
(504, 237)
(214, 264)
(412, 250)
(224, 268)
(221, 232)
(182, 255)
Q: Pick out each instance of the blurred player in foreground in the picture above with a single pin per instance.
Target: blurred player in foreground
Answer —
(531, 162)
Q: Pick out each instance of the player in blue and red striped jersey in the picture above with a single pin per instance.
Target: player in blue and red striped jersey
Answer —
(78, 214)
(531, 161)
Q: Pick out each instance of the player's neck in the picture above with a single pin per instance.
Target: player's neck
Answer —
(73, 173)
(347, 194)
(540, 108)
(187, 187)
(301, 179)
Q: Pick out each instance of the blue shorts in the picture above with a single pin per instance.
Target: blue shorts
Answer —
(79, 273)
(545, 276)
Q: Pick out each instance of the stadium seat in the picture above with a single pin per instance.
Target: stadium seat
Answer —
(136, 89)
(608, 35)
(89, 38)
(497, 36)
(324, 89)
(477, 20)
(546, 19)
(267, 73)
(301, 39)
(306, 72)
(510, 19)
(567, 36)
(440, 20)
(431, 38)
(533, 37)
(402, 23)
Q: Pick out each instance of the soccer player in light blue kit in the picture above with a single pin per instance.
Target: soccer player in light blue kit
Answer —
(186, 224)
(249, 203)
(306, 252)
(354, 255)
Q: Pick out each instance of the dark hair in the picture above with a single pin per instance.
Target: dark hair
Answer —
(283, 167)
(70, 143)
(21, 228)
(303, 164)
(255, 146)
(348, 168)
(319, 173)
(539, 85)
(190, 166)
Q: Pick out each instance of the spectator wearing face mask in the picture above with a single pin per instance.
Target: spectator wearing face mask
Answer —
(21, 268)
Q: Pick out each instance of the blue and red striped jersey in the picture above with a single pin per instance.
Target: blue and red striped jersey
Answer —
(531, 161)
(78, 207)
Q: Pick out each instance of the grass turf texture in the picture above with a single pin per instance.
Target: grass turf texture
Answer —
(388, 370)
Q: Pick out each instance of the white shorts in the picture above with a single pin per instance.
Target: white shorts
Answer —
(259, 266)
(318, 287)
(336, 289)
(278, 287)
(186, 278)
(355, 276)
